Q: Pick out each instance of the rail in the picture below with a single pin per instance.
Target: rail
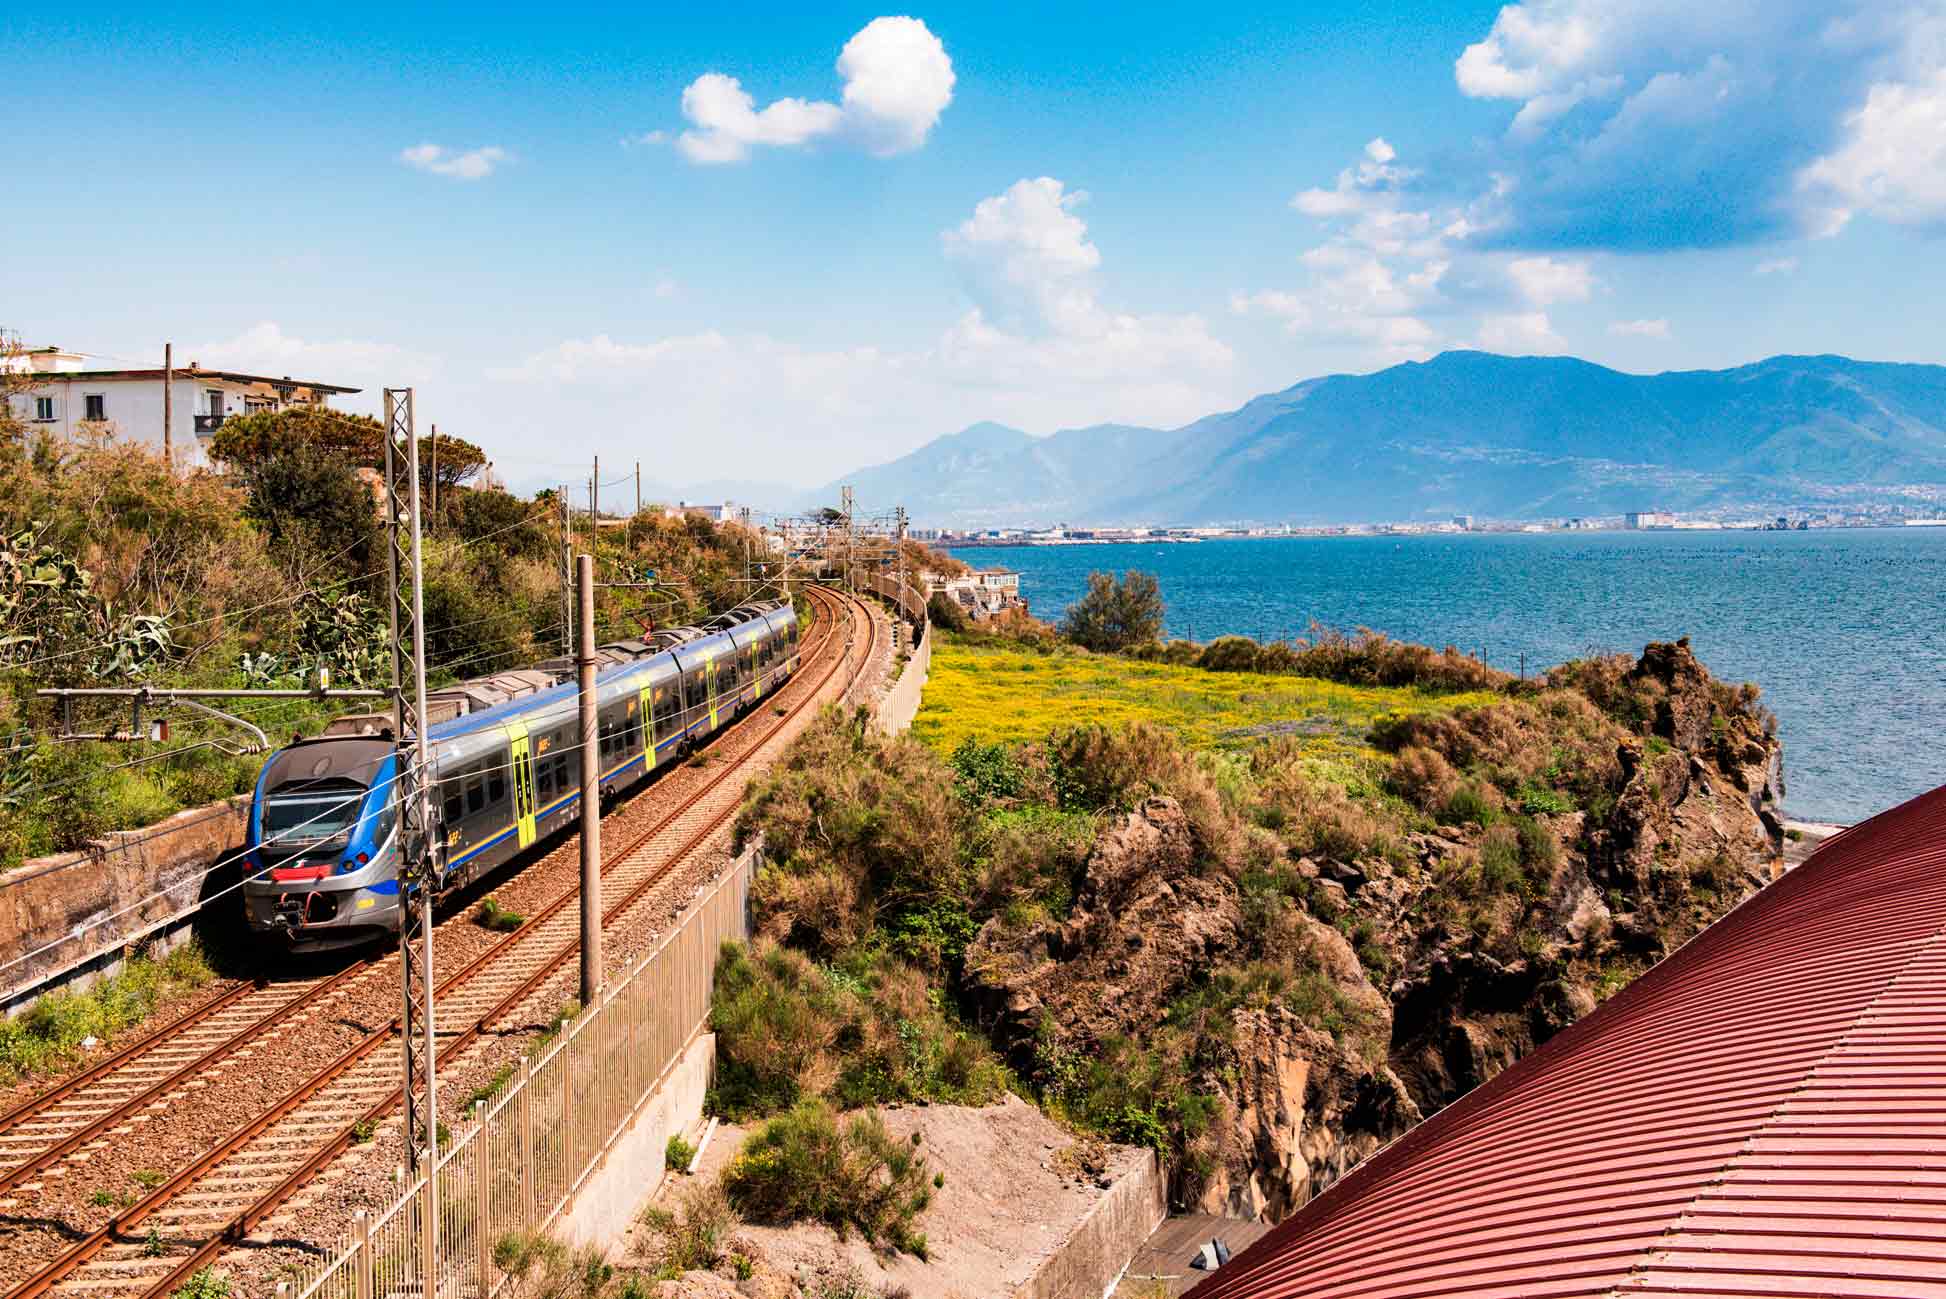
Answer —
(539, 1142)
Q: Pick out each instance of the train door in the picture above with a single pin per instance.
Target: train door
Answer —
(757, 667)
(646, 726)
(521, 758)
(709, 684)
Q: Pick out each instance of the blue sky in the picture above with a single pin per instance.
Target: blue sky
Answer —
(574, 233)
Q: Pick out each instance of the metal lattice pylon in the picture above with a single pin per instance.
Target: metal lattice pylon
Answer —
(418, 853)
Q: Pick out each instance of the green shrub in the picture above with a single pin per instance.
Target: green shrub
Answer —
(496, 917)
(803, 1166)
(1470, 803)
(677, 1154)
(692, 1236)
(1500, 870)
(204, 1283)
(49, 1034)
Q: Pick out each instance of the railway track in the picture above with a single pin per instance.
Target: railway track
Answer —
(213, 1202)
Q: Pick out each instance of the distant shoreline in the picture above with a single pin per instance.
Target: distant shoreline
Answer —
(1023, 543)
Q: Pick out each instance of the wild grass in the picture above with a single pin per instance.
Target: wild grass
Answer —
(995, 692)
(50, 1034)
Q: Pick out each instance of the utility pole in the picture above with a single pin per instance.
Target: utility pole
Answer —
(567, 575)
(898, 517)
(594, 508)
(418, 857)
(168, 405)
(849, 536)
(584, 664)
(435, 473)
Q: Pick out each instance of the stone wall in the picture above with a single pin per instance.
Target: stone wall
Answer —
(65, 920)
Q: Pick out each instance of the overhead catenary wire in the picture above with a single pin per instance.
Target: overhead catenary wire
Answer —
(137, 838)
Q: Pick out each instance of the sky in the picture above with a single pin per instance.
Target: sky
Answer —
(770, 243)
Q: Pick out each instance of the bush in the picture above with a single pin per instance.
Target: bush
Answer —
(803, 1166)
(1116, 616)
(204, 1283)
(676, 1156)
(694, 1236)
(787, 1029)
(51, 1032)
(1370, 658)
(1423, 778)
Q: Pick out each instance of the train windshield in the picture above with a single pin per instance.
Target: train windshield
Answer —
(312, 813)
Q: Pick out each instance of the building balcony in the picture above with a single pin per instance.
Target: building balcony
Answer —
(209, 423)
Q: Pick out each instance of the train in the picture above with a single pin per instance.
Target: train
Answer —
(321, 861)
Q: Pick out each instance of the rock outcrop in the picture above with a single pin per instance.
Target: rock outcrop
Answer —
(1448, 980)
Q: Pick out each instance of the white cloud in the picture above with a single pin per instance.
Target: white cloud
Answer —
(474, 164)
(1639, 328)
(1031, 270)
(1038, 348)
(897, 81)
(1524, 333)
(1546, 280)
(1655, 124)
(1777, 266)
(1892, 161)
(667, 288)
(371, 366)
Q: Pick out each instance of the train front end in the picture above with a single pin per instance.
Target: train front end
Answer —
(322, 864)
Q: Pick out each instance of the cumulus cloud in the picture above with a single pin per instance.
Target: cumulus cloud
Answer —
(897, 81)
(1639, 328)
(1039, 347)
(370, 365)
(1545, 280)
(1523, 333)
(1031, 271)
(1667, 124)
(474, 164)
(1400, 271)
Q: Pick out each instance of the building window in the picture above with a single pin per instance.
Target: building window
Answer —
(44, 409)
(94, 406)
(215, 399)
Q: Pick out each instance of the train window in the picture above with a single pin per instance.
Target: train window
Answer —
(453, 803)
(544, 779)
(475, 792)
(497, 783)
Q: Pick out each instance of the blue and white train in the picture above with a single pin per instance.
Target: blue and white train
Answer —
(322, 862)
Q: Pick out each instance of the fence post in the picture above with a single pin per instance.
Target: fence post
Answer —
(428, 1233)
(524, 1121)
(483, 1199)
(363, 1263)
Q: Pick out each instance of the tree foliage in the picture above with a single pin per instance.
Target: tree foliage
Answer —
(358, 439)
(1116, 616)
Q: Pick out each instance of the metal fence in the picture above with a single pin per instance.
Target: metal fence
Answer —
(520, 1163)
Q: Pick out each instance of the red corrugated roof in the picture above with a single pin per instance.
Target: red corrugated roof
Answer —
(1763, 1113)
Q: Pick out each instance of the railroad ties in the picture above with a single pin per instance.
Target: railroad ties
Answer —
(236, 1187)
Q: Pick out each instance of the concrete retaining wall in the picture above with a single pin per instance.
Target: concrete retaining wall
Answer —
(73, 917)
(633, 1168)
(1090, 1261)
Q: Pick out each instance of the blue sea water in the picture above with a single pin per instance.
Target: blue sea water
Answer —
(1844, 630)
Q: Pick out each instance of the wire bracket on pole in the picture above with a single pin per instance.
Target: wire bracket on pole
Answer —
(418, 856)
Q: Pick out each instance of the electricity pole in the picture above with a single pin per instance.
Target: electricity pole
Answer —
(584, 663)
(418, 868)
(168, 404)
(594, 508)
(567, 574)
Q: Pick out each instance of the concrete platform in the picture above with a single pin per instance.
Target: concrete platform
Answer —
(1161, 1265)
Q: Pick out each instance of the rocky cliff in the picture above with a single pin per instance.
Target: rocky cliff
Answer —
(1316, 994)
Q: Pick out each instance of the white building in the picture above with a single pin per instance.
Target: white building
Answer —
(1649, 519)
(64, 397)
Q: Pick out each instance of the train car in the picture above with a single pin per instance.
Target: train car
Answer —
(322, 863)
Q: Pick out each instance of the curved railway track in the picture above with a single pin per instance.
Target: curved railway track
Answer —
(213, 1202)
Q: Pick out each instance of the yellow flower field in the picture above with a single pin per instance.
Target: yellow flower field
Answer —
(998, 692)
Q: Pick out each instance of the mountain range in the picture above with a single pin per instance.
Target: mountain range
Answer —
(1463, 433)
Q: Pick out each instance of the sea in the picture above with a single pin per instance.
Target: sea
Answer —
(1844, 630)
